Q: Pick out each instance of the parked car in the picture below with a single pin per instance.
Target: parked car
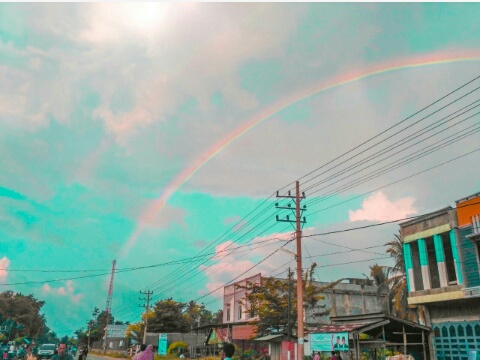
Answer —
(46, 351)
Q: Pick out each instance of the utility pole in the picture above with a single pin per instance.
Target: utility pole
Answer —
(109, 305)
(289, 328)
(146, 306)
(298, 220)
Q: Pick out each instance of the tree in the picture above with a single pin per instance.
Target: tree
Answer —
(269, 301)
(101, 324)
(197, 315)
(168, 317)
(393, 280)
(217, 318)
(24, 311)
(135, 331)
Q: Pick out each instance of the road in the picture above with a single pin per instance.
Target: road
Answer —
(98, 357)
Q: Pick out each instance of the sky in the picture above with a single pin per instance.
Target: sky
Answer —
(157, 134)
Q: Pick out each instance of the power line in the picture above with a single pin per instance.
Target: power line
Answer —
(244, 224)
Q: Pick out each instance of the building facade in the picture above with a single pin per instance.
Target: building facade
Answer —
(441, 252)
(350, 297)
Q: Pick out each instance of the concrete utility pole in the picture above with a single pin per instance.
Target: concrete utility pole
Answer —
(146, 306)
(298, 220)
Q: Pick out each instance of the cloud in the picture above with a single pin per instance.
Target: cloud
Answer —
(4, 264)
(61, 290)
(230, 264)
(66, 291)
(377, 207)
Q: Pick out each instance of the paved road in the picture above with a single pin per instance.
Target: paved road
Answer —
(98, 357)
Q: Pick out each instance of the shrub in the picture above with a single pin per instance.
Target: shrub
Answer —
(172, 348)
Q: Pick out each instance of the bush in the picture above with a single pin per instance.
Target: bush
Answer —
(172, 348)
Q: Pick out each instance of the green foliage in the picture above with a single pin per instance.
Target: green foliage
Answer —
(20, 314)
(269, 301)
(174, 316)
(48, 338)
(392, 280)
(168, 317)
(173, 347)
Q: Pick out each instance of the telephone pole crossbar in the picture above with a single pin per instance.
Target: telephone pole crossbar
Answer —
(298, 221)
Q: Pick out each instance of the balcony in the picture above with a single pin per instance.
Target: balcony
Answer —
(448, 293)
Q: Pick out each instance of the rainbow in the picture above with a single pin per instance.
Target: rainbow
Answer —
(149, 212)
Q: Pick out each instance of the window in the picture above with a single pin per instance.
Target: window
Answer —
(252, 311)
(228, 312)
(240, 311)
(449, 262)
(432, 263)
(417, 270)
(477, 244)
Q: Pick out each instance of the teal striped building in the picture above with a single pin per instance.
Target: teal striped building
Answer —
(442, 273)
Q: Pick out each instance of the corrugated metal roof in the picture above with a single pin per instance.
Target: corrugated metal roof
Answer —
(267, 337)
(336, 328)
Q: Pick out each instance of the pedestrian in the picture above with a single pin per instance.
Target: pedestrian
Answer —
(29, 352)
(333, 357)
(142, 349)
(147, 354)
(62, 353)
(228, 351)
(84, 353)
(338, 356)
(316, 355)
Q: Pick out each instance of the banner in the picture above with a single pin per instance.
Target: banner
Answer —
(329, 341)
(162, 344)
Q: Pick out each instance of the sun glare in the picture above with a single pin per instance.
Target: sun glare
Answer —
(143, 16)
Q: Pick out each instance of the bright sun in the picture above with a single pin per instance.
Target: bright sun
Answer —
(144, 16)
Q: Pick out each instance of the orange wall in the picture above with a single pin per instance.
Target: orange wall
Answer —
(243, 332)
(466, 210)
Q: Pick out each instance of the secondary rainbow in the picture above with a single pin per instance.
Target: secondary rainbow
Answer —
(149, 212)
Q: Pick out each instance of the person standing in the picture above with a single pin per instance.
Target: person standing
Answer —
(147, 354)
(228, 351)
(143, 347)
(316, 355)
(83, 354)
(62, 353)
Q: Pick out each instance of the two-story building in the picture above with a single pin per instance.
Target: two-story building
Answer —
(350, 297)
(441, 252)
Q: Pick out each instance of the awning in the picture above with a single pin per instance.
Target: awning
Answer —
(268, 337)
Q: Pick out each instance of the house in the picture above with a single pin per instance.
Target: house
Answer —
(236, 311)
(350, 297)
(441, 251)
(116, 338)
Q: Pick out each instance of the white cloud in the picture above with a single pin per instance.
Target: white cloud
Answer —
(67, 291)
(70, 286)
(4, 264)
(230, 264)
(61, 291)
(377, 207)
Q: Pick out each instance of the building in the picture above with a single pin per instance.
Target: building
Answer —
(237, 316)
(350, 297)
(116, 338)
(441, 251)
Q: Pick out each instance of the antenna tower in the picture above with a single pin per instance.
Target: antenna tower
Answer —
(109, 304)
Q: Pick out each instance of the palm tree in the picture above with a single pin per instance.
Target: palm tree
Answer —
(394, 280)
